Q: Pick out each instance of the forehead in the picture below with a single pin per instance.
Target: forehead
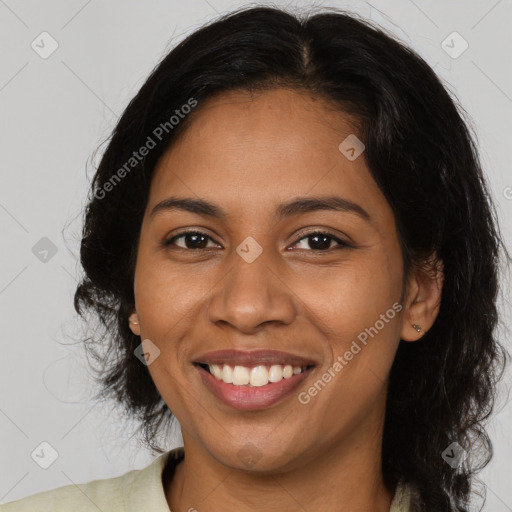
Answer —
(257, 149)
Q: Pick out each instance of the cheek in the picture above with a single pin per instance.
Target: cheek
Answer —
(358, 312)
(169, 300)
(165, 301)
(352, 297)
(164, 295)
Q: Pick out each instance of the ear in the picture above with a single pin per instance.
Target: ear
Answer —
(134, 323)
(423, 298)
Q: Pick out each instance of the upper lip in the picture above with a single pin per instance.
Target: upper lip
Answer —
(253, 358)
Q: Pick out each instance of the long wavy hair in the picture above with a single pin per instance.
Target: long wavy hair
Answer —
(421, 151)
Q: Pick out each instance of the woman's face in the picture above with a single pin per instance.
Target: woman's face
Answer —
(260, 277)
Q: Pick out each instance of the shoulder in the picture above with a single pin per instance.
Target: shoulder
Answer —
(78, 498)
(138, 489)
(406, 498)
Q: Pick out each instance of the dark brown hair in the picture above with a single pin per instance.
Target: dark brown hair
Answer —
(422, 155)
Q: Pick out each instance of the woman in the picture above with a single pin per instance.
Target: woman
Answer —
(291, 247)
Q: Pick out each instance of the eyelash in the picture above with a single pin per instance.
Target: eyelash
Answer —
(341, 244)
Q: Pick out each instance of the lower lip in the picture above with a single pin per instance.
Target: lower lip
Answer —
(251, 398)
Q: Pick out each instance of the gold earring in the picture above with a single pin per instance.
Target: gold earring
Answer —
(417, 327)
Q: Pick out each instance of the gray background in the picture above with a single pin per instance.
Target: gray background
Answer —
(56, 111)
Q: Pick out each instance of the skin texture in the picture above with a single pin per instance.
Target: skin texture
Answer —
(247, 154)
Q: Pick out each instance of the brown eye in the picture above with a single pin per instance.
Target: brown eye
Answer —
(320, 241)
(191, 240)
(316, 241)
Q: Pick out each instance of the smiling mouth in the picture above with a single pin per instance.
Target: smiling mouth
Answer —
(253, 376)
(250, 388)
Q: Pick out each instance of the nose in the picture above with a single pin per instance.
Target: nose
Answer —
(250, 295)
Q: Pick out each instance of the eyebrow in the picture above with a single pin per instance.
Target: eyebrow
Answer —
(296, 206)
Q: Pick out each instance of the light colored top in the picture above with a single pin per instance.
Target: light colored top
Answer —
(137, 490)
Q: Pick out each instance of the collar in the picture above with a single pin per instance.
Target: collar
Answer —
(143, 490)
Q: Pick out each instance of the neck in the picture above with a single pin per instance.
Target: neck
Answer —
(201, 482)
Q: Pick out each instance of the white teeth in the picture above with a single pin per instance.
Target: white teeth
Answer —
(256, 376)
(287, 371)
(227, 374)
(276, 373)
(240, 376)
(259, 376)
(216, 370)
